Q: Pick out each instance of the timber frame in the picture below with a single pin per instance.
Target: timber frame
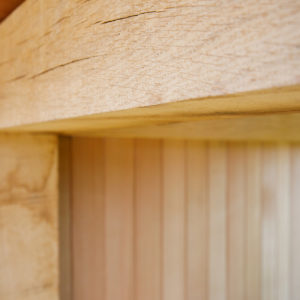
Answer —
(122, 122)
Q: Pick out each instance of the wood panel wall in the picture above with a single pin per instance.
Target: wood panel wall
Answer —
(184, 220)
(28, 217)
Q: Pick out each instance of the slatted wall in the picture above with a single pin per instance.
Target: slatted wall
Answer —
(184, 220)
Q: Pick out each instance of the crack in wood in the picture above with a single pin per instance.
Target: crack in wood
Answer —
(127, 17)
(61, 65)
(16, 78)
(149, 12)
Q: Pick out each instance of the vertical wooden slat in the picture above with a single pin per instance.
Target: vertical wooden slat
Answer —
(197, 220)
(283, 222)
(174, 220)
(65, 222)
(253, 222)
(217, 221)
(236, 222)
(184, 220)
(269, 218)
(295, 224)
(147, 224)
(119, 201)
(87, 217)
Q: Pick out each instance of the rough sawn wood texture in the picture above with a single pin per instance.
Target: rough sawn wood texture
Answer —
(62, 59)
(28, 217)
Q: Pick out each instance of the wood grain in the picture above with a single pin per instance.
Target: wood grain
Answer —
(294, 233)
(217, 242)
(259, 116)
(236, 229)
(283, 221)
(263, 127)
(28, 217)
(189, 220)
(269, 115)
(174, 220)
(119, 219)
(269, 224)
(65, 218)
(197, 219)
(77, 58)
(88, 190)
(148, 220)
(253, 221)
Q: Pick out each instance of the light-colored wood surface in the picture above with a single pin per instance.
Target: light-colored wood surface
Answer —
(270, 127)
(7, 6)
(185, 219)
(217, 243)
(269, 115)
(66, 59)
(174, 219)
(88, 223)
(148, 217)
(294, 224)
(28, 217)
(65, 219)
(119, 219)
(253, 215)
(197, 220)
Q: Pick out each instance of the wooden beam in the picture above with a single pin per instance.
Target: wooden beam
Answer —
(271, 127)
(67, 59)
(263, 115)
(28, 217)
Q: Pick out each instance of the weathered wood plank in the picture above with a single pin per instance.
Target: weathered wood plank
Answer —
(262, 116)
(28, 217)
(60, 60)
